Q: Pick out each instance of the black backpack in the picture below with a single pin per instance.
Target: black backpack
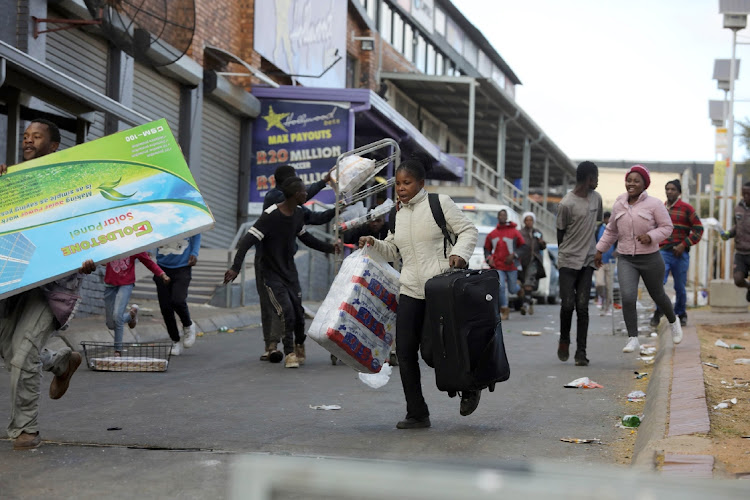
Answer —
(437, 214)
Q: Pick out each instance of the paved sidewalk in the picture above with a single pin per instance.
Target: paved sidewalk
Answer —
(676, 406)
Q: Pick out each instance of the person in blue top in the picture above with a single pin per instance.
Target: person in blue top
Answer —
(177, 260)
(604, 275)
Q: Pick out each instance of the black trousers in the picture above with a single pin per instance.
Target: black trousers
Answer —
(409, 332)
(575, 287)
(273, 328)
(286, 299)
(173, 299)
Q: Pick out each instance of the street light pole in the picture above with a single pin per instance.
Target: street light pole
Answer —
(729, 180)
(735, 18)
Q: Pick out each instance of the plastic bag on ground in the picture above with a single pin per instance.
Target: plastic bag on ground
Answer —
(583, 383)
(637, 394)
(357, 320)
(377, 380)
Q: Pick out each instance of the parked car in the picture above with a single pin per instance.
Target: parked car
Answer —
(484, 216)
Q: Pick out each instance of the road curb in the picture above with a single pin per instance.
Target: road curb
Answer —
(654, 426)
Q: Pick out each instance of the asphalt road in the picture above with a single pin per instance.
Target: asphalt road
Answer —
(182, 429)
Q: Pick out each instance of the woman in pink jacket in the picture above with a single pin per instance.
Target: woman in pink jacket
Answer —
(638, 224)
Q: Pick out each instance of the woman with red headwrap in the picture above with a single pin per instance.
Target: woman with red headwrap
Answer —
(638, 224)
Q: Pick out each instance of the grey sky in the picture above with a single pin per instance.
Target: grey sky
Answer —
(616, 79)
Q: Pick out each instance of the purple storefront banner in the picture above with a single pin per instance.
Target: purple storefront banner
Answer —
(310, 136)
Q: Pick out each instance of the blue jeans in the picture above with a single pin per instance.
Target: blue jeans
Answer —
(115, 304)
(509, 279)
(679, 268)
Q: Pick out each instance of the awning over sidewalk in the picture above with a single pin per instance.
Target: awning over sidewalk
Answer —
(374, 119)
(21, 71)
(448, 99)
(24, 76)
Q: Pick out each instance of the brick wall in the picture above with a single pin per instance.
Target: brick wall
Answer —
(218, 23)
(22, 25)
(395, 62)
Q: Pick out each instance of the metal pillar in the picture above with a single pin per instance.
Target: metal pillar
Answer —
(545, 189)
(526, 173)
(502, 126)
(729, 178)
(470, 139)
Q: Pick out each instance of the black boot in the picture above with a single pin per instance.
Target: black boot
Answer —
(414, 423)
(581, 359)
(469, 402)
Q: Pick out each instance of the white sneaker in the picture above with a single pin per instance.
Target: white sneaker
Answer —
(176, 348)
(188, 336)
(676, 331)
(632, 345)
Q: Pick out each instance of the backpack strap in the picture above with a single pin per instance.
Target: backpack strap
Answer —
(439, 216)
(392, 218)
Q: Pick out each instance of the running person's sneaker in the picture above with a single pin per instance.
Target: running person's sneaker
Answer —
(133, 316)
(188, 336)
(632, 345)
(676, 331)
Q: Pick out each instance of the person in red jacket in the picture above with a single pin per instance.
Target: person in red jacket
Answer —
(119, 280)
(501, 251)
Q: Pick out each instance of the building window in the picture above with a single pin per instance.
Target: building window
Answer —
(485, 65)
(372, 9)
(470, 52)
(439, 64)
(454, 36)
(439, 21)
(430, 59)
(499, 77)
(408, 42)
(398, 33)
(420, 56)
(386, 23)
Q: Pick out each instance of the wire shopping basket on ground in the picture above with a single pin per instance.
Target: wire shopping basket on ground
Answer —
(134, 357)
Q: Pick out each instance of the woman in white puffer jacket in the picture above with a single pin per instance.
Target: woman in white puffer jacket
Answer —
(418, 241)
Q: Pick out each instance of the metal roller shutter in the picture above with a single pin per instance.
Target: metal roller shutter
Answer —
(84, 57)
(220, 171)
(156, 96)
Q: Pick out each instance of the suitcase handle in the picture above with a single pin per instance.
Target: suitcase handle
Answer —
(440, 335)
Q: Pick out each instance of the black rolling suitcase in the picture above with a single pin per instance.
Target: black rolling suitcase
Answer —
(463, 323)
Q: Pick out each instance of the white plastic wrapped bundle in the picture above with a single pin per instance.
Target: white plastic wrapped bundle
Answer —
(354, 171)
(380, 210)
(357, 320)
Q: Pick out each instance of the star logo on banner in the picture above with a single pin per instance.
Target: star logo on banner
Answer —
(274, 119)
